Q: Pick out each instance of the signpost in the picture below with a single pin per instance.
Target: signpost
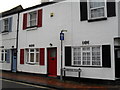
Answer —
(62, 38)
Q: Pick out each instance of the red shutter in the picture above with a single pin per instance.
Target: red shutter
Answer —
(42, 56)
(40, 18)
(24, 21)
(21, 56)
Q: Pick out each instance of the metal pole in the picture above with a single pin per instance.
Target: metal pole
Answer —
(61, 78)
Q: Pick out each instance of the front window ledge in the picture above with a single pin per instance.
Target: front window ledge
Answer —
(95, 66)
(31, 28)
(2, 61)
(32, 63)
(5, 32)
(97, 19)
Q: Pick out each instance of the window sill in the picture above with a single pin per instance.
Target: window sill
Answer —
(97, 19)
(5, 32)
(89, 66)
(2, 61)
(31, 63)
(31, 28)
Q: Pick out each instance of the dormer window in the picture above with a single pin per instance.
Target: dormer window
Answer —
(96, 9)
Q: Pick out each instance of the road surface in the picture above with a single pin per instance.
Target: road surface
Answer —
(9, 85)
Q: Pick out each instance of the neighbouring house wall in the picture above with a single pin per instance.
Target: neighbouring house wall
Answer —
(118, 19)
(97, 33)
(8, 40)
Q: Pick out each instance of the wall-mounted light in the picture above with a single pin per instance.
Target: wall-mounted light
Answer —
(63, 31)
(51, 44)
(12, 46)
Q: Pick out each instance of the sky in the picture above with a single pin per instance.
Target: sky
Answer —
(9, 4)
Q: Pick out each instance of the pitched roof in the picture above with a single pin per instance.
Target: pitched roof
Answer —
(12, 11)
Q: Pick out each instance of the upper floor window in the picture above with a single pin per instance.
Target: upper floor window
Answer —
(32, 19)
(5, 24)
(96, 9)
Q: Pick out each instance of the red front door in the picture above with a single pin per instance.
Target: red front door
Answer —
(52, 62)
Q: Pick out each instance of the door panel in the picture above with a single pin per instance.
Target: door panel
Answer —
(52, 62)
(117, 63)
(14, 61)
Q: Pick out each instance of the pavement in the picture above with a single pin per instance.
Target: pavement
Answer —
(56, 83)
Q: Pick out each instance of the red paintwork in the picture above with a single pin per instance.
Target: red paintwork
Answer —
(40, 18)
(42, 56)
(52, 63)
(24, 21)
(21, 56)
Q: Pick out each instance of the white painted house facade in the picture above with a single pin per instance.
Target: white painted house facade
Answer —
(91, 43)
(91, 40)
(8, 35)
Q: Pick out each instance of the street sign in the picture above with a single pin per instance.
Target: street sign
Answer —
(61, 36)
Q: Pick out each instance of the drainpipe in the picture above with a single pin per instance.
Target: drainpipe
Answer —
(17, 40)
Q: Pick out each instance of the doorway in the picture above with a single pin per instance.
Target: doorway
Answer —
(52, 62)
(14, 60)
(117, 62)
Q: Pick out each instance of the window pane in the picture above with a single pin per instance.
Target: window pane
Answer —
(96, 4)
(118, 54)
(27, 57)
(53, 53)
(97, 12)
(31, 50)
(77, 56)
(2, 57)
(96, 56)
(86, 58)
(33, 18)
(31, 57)
(37, 57)
(5, 56)
(5, 24)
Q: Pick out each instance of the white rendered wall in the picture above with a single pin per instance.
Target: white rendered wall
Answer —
(67, 17)
(97, 33)
(8, 40)
(118, 18)
(48, 33)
